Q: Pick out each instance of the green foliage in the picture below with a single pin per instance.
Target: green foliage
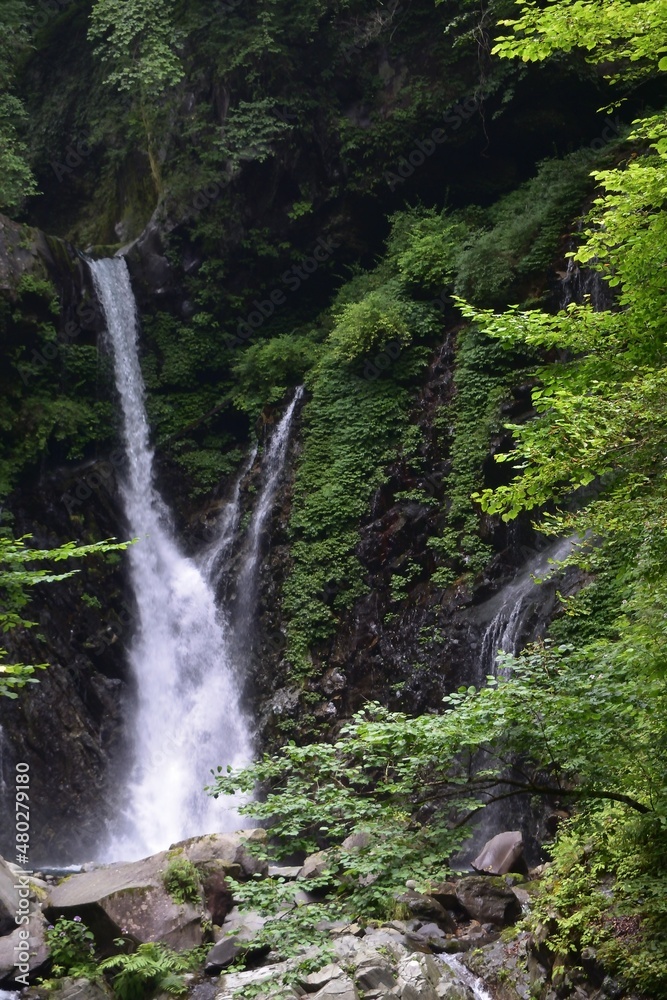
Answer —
(16, 179)
(381, 317)
(484, 372)
(520, 234)
(72, 948)
(250, 132)
(595, 454)
(607, 894)
(427, 249)
(17, 576)
(351, 426)
(625, 37)
(153, 968)
(266, 371)
(365, 783)
(136, 38)
(182, 882)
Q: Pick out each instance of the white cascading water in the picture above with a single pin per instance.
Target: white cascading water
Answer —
(516, 602)
(273, 463)
(188, 717)
(214, 560)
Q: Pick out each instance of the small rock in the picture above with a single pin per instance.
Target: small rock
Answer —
(288, 872)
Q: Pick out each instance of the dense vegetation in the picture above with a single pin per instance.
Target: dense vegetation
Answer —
(584, 711)
(584, 714)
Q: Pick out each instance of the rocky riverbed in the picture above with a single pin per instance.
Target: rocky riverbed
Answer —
(460, 940)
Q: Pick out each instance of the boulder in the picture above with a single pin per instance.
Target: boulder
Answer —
(356, 841)
(502, 854)
(128, 899)
(31, 954)
(431, 936)
(237, 983)
(9, 899)
(488, 900)
(418, 976)
(341, 988)
(217, 896)
(314, 866)
(425, 906)
(316, 980)
(445, 894)
(288, 872)
(374, 975)
(239, 935)
(230, 850)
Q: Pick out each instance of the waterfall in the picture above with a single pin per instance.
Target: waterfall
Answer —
(248, 577)
(214, 560)
(510, 617)
(515, 605)
(188, 716)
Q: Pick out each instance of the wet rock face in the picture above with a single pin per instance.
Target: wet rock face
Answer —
(68, 727)
(408, 652)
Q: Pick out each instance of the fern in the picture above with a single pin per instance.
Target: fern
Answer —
(152, 968)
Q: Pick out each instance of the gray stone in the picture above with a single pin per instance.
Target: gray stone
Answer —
(333, 681)
(500, 854)
(314, 866)
(356, 841)
(389, 940)
(374, 976)
(432, 936)
(488, 899)
(130, 896)
(316, 980)
(523, 897)
(229, 849)
(232, 984)
(15, 946)
(426, 906)
(240, 931)
(338, 989)
(418, 975)
(288, 872)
